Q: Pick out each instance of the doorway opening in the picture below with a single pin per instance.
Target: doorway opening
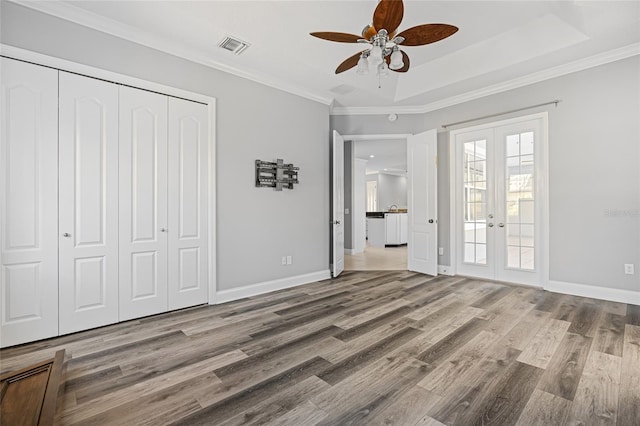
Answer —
(405, 223)
(376, 180)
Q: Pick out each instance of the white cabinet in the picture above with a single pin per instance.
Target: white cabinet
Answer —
(104, 203)
(88, 207)
(28, 202)
(396, 228)
(376, 231)
(392, 224)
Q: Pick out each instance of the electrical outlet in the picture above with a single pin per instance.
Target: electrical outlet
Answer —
(629, 269)
(441, 251)
(284, 260)
(289, 260)
(346, 211)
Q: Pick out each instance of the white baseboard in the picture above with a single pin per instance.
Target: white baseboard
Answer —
(595, 292)
(268, 286)
(446, 270)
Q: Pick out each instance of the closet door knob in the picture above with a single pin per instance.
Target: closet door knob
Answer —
(163, 230)
(66, 235)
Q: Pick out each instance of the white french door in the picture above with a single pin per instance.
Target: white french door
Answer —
(499, 208)
(143, 203)
(88, 206)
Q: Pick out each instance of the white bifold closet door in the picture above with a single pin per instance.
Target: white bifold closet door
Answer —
(188, 203)
(88, 143)
(163, 203)
(143, 203)
(28, 202)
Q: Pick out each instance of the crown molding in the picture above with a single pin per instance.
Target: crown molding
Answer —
(87, 19)
(81, 17)
(558, 71)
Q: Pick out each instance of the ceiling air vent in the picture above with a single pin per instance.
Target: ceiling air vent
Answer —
(233, 45)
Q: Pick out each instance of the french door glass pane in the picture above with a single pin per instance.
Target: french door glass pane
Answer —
(475, 201)
(519, 198)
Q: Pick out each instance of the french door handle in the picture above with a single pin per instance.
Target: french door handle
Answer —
(163, 229)
(66, 235)
(501, 225)
(430, 220)
(490, 225)
(337, 222)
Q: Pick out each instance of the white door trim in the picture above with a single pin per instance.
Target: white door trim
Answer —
(542, 168)
(89, 71)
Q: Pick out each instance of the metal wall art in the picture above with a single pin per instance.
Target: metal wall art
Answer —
(276, 175)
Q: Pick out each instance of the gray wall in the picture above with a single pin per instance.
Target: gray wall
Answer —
(256, 226)
(594, 173)
(392, 189)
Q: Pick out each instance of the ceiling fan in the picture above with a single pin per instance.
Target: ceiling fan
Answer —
(385, 42)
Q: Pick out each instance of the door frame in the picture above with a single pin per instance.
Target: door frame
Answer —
(123, 79)
(542, 167)
(391, 136)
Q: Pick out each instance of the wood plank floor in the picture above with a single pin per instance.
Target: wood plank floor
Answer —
(375, 348)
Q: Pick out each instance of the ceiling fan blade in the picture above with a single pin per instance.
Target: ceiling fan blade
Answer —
(388, 15)
(405, 60)
(339, 37)
(348, 63)
(427, 33)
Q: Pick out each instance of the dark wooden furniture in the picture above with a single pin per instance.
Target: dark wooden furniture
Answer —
(30, 396)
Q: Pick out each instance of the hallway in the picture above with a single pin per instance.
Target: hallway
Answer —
(393, 258)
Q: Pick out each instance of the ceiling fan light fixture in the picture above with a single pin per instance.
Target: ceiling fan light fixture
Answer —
(385, 42)
(363, 65)
(375, 56)
(396, 59)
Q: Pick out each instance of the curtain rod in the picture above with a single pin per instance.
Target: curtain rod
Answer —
(555, 102)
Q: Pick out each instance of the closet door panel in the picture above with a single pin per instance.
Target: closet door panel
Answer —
(88, 203)
(28, 202)
(143, 203)
(188, 203)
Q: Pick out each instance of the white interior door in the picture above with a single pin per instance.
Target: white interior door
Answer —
(422, 198)
(143, 203)
(88, 203)
(337, 209)
(187, 232)
(499, 185)
(29, 202)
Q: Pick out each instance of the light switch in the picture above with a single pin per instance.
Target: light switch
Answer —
(346, 211)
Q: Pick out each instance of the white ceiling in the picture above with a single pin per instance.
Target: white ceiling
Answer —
(500, 44)
(389, 156)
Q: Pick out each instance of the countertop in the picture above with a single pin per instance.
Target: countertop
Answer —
(380, 215)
